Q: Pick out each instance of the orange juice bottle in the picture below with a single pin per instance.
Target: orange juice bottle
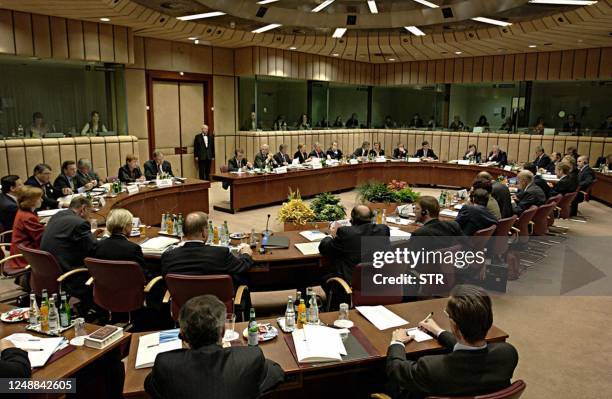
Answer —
(301, 316)
(44, 312)
(216, 236)
(170, 225)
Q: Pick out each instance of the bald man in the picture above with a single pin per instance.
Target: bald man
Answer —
(204, 152)
(344, 245)
(529, 193)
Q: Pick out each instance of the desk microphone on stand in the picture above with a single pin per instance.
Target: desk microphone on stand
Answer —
(267, 231)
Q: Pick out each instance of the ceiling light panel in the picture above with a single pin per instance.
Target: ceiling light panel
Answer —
(322, 5)
(201, 16)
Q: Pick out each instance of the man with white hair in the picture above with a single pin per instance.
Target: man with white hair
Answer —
(264, 158)
(529, 193)
(204, 151)
(85, 173)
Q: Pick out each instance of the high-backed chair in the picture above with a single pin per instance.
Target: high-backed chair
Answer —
(224, 168)
(514, 391)
(522, 224)
(481, 237)
(540, 219)
(7, 267)
(118, 286)
(498, 244)
(45, 272)
(182, 287)
(565, 205)
(554, 199)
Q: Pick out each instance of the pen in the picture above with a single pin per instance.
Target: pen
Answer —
(33, 350)
(428, 316)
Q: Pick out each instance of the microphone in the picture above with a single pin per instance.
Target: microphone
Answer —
(267, 232)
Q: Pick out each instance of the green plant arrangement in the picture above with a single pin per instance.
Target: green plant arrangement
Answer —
(375, 191)
(327, 208)
(406, 195)
(295, 210)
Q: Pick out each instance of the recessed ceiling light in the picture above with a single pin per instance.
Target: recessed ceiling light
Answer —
(200, 16)
(105, 19)
(339, 32)
(414, 30)
(427, 3)
(292, 48)
(492, 21)
(458, 52)
(322, 5)
(533, 46)
(181, 73)
(391, 59)
(266, 28)
(196, 41)
(266, 1)
(335, 54)
(372, 5)
(580, 40)
(565, 2)
(192, 38)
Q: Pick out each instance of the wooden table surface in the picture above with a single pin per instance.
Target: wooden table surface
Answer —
(602, 189)
(278, 351)
(70, 363)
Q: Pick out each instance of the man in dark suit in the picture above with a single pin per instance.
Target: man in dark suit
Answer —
(425, 152)
(14, 362)
(362, 151)
(499, 156)
(529, 194)
(586, 178)
(263, 159)
(8, 202)
(317, 151)
(572, 125)
(471, 366)
(40, 179)
(555, 158)
(542, 160)
(334, 152)
(344, 245)
(501, 193)
(85, 173)
(567, 183)
(206, 369)
(238, 161)
(67, 182)
(281, 157)
(204, 152)
(538, 180)
(194, 257)
(400, 152)
(436, 231)
(157, 166)
(475, 217)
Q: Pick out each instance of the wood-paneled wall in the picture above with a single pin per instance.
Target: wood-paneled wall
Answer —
(296, 65)
(42, 36)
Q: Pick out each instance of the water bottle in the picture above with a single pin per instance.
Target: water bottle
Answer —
(53, 315)
(225, 237)
(253, 329)
(290, 316)
(33, 312)
(164, 222)
(210, 233)
(313, 310)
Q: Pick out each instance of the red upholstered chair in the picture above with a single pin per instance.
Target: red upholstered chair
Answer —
(481, 237)
(498, 244)
(521, 226)
(46, 273)
(181, 288)
(540, 219)
(565, 205)
(7, 268)
(514, 391)
(118, 286)
(224, 168)
(554, 199)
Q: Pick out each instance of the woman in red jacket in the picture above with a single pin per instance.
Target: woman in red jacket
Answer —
(27, 230)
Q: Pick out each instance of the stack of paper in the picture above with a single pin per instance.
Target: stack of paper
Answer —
(400, 221)
(157, 245)
(381, 317)
(398, 235)
(313, 235)
(39, 349)
(150, 345)
(318, 344)
(308, 248)
(449, 213)
(418, 334)
(48, 212)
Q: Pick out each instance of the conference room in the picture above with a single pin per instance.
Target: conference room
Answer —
(305, 199)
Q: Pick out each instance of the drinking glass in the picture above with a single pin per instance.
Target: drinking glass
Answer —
(94, 224)
(230, 324)
(343, 314)
(79, 327)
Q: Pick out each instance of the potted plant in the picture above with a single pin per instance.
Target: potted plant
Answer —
(377, 195)
(327, 208)
(406, 195)
(295, 213)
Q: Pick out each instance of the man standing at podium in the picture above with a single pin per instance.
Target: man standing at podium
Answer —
(204, 152)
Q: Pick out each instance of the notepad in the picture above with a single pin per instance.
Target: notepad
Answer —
(308, 248)
(313, 235)
(157, 245)
(150, 345)
(381, 317)
(314, 344)
(397, 235)
(449, 213)
(418, 334)
(39, 349)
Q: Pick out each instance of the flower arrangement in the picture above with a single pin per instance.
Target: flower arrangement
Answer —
(394, 191)
(326, 207)
(396, 185)
(295, 210)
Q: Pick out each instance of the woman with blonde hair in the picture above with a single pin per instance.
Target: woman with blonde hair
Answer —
(27, 230)
(130, 172)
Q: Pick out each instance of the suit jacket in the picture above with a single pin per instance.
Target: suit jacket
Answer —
(27, 231)
(196, 258)
(68, 237)
(8, 210)
(232, 164)
(430, 154)
(126, 176)
(381, 153)
(501, 193)
(345, 249)
(360, 152)
(586, 177)
(315, 154)
(542, 161)
(302, 156)
(540, 182)
(493, 207)
(118, 247)
(472, 218)
(280, 158)
(261, 161)
(202, 152)
(151, 170)
(61, 182)
(334, 155)
(14, 363)
(50, 195)
(212, 372)
(458, 373)
(501, 158)
(438, 233)
(532, 195)
(565, 185)
(551, 167)
(397, 154)
(476, 157)
(83, 179)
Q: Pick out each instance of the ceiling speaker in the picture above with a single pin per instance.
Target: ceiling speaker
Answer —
(447, 12)
(351, 19)
(261, 12)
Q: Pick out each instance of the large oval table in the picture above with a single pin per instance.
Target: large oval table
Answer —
(253, 190)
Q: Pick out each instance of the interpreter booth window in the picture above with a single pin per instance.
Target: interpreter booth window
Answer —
(418, 107)
(486, 107)
(348, 106)
(41, 99)
(572, 108)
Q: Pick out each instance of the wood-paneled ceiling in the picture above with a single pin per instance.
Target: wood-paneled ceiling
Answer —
(547, 28)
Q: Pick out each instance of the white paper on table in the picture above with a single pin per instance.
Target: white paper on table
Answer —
(318, 344)
(49, 212)
(39, 349)
(414, 159)
(449, 213)
(381, 317)
(418, 334)
(397, 235)
(400, 221)
(150, 345)
(458, 206)
(308, 248)
(313, 235)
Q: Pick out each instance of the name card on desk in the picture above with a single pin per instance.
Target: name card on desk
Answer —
(163, 183)
(381, 159)
(317, 165)
(411, 159)
(463, 162)
(132, 189)
(353, 162)
(282, 169)
(508, 168)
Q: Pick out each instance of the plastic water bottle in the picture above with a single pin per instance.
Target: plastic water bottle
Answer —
(54, 321)
(225, 240)
(290, 316)
(313, 310)
(210, 233)
(164, 221)
(253, 329)
(33, 312)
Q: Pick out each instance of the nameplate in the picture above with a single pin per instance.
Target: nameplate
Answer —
(282, 169)
(163, 183)
(414, 159)
(132, 189)
(508, 168)
(381, 159)
(353, 162)
(463, 162)
(316, 165)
